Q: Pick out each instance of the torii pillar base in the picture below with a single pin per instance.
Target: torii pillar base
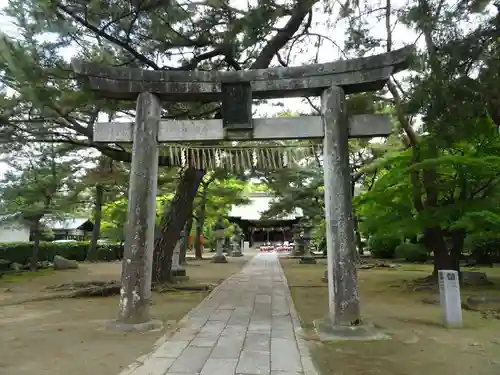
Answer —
(149, 326)
(364, 332)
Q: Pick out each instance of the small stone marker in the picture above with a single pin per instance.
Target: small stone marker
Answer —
(176, 269)
(246, 246)
(449, 291)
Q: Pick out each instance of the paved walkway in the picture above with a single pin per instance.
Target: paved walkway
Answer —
(247, 326)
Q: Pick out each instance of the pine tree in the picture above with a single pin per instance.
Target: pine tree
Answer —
(42, 181)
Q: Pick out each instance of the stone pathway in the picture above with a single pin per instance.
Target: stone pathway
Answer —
(247, 325)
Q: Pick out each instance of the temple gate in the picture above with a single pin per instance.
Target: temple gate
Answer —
(236, 89)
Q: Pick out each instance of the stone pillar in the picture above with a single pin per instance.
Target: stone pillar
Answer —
(177, 269)
(341, 250)
(135, 293)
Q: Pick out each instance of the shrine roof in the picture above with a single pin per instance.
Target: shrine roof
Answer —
(258, 205)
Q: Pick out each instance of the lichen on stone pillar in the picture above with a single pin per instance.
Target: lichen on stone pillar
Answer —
(135, 293)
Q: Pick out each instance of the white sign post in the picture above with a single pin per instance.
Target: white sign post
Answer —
(449, 291)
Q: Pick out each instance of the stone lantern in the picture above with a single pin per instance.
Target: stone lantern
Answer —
(219, 233)
(177, 270)
(307, 258)
(298, 243)
(237, 238)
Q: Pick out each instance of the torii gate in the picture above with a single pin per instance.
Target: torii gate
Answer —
(236, 89)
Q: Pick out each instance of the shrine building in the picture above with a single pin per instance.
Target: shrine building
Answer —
(257, 227)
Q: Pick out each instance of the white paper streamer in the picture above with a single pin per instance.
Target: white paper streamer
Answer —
(239, 158)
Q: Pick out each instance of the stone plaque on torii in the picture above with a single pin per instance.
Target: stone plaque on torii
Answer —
(236, 90)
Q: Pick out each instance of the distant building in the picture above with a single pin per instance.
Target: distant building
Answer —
(78, 229)
(14, 229)
(259, 229)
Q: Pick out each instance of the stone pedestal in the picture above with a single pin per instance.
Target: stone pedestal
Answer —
(236, 250)
(237, 253)
(177, 270)
(327, 331)
(306, 238)
(228, 248)
(307, 258)
(298, 248)
(219, 257)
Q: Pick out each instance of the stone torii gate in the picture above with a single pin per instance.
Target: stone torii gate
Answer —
(236, 89)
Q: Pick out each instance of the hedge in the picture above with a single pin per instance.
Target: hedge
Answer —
(412, 252)
(383, 247)
(20, 252)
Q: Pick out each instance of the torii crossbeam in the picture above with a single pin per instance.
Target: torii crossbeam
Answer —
(331, 81)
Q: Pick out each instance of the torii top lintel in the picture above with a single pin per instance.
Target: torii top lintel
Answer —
(354, 75)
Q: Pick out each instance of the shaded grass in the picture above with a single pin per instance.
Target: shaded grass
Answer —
(419, 342)
(67, 336)
(19, 277)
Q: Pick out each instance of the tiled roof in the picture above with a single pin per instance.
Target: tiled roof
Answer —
(64, 224)
(260, 203)
(51, 222)
(11, 216)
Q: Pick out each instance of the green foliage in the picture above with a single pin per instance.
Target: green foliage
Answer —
(165, 35)
(114, 216)
(41, 180)
(4, 265)
(383, 247)
(484, 248)
(412, 252)
(20, 252)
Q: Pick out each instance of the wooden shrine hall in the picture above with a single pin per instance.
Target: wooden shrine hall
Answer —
(257, 228)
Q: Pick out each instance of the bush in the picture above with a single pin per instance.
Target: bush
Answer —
(322, 246)
(383, 247)
(20, 252)
(484, 248)
(5, 265)
(412, 252)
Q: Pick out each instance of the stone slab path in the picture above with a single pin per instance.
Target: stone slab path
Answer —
(247, 325)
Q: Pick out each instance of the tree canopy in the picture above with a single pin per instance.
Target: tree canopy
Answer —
(433, 182)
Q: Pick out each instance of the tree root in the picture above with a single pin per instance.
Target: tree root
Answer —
(87, 289)
(82, 284)
(84, 289)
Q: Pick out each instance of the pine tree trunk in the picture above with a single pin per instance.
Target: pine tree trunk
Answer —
(36, 246)
(172, 222)
(92, 255)
(185, 239)
(200, 222)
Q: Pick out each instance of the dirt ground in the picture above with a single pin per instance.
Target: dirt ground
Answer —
(419, 344)
(67, 336)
